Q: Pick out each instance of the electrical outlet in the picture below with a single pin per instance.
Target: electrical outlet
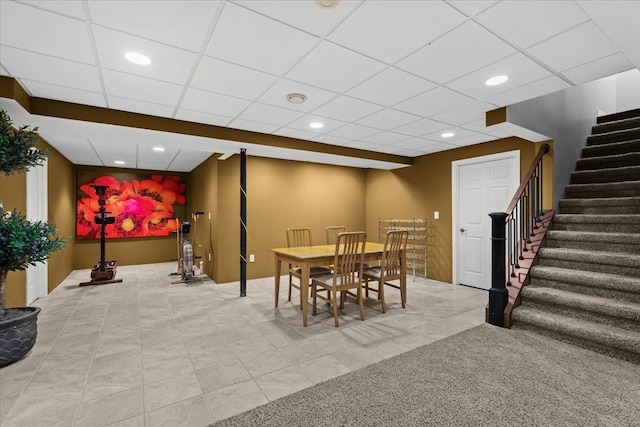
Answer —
(252, 258)
(436, 215)
(209, 216)
(209, 257)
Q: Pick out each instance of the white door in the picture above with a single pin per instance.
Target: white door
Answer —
(37, 206)
(485, 184)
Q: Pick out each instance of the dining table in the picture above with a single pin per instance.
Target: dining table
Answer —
(306, 257)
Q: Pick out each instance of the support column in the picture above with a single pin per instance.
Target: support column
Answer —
(498, 294)
(243, 222)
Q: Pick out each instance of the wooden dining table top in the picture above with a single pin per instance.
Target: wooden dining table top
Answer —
(320, 251)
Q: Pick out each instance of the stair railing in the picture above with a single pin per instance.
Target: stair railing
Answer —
(511, 234)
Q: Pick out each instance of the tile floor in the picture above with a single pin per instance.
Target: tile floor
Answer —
(146, 352)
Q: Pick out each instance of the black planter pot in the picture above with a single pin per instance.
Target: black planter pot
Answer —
(17, 333)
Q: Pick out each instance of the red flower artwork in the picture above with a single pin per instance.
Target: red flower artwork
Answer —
(141, 207)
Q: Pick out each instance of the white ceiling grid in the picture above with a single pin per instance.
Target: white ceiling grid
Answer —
(384, 76)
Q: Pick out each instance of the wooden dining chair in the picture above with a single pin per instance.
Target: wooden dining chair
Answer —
(332, 232)
(346, 276)
(390, 267)
(300, 237)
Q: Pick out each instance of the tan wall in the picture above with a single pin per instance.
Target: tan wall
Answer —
(418, 191)
(130, 251)
(282, 194)
(203, 197)
(61, 212)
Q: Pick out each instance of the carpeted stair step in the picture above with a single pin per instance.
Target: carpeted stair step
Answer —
(623, 115)
(613, 189)
(615, 136)
(630, 123)
(611, 149)
(606, 339)
(622, 314)
(603, 206)
(620, 174)
(622, 263)
(597, 223)
(595, 241)
(623, 288)
(606, 162)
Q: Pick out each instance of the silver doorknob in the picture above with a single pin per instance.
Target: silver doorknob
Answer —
(462, 230)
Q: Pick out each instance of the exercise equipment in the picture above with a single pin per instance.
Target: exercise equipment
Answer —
(105, 271)
(185, 254)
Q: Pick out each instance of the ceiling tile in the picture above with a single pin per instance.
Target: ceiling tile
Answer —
(181, 23)
(414, 144)
(50, 70)
(465, 114)
(463, 50)
(229, 79)
(253, 126)
(347, 109)
(168, 64)
(575, 47)
(277, 95)
(434, 101)
(458, 131)
(250, 39)
(352, 131)
(200, 117)
(390, 87)
(320, 69)
(140, 88)
(303, 124)
(187, 160)
(520, 70)
(72, 9)
(531, 90)
(26, 27)
(385, 138)
(472, 7)
(305, 15)
(388, 119)
(435, 148)
(269, 114)
(137, 106)
(213, 103)
(61, 93)
(619, 22)
(603, 67)
(388, 30)
(525, 23)
(421, 127)
(362, 145)
(472, 139)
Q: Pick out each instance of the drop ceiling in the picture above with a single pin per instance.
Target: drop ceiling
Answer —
(384, 77)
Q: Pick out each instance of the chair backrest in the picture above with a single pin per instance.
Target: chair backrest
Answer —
(298, 237)
(394, 245)
(349, 257)
(332, 233)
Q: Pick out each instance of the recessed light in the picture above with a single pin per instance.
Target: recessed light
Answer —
(119, 162)
(137, 58)
(159, 149)
(327, 4)
(448, 135)
(316, 125)
(296, 98)
(496, 80)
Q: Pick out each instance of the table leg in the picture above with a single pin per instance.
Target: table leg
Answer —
(304, 291)
(277, 278)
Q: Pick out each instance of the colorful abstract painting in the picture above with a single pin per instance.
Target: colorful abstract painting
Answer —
(142, 205)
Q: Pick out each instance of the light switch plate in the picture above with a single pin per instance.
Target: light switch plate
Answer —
(436, 215)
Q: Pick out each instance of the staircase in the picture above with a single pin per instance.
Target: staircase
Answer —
(585, 288)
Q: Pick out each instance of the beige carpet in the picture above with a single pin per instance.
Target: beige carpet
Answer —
(483, 376)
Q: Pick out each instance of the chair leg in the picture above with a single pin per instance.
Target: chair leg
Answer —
(290, 286)
(335, 306)
(381, 296)
(403, 293)
(314, 299)
(360, 302)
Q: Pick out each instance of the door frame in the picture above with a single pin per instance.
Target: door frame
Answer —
(513, 155)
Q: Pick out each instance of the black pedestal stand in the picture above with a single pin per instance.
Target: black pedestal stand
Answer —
(105, 271)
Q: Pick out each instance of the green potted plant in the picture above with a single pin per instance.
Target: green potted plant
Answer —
(22, 242)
